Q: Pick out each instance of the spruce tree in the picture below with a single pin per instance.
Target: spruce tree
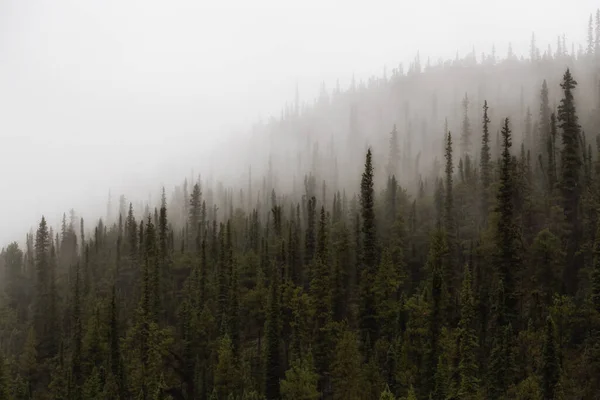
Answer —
(465, 138)
(468, 368)
(485, 160)
(272, 335)
(507, 260)
(346, 377)
(550, 362)
(76, 357)
(116, 363)
(570, 177)
(194, 215)
(596, 271)
(449, 223)
(369, 252)
(394, 154)
(438, 253)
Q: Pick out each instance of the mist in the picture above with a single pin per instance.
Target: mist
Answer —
(129, 96)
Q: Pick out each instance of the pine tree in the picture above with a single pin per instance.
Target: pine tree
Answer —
(234, 323)
(116, 363)
(300, 381)
(387, 394)
(550, 362)
(485, 159)
(394, 154)
(468, 341)
(76, 360)
(507, 261)
(132, 232)
(346, 369)
(310, 239)
(465, 138)
(272, 334)
(195, 214)
(369, 252)
(225, 373)
(449, 223)
(570, 177)
(544, 121)
(385, 286)
(551, 150)
(438, 253)
(45, 313)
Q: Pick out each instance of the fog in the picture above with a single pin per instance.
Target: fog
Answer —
(127, 96)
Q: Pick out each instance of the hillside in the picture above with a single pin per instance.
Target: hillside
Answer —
(429, 234)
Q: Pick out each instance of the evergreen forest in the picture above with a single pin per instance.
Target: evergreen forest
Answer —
(432, 233)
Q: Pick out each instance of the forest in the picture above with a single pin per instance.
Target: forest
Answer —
(429, 234)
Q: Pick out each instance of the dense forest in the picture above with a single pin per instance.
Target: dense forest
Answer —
(432, 234)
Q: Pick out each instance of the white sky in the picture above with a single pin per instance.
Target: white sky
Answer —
(99, 94)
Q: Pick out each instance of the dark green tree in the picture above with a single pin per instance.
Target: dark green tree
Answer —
(272, 334)
(550, 362)
(570, 177)
(468, 368)
(485, 163)
(369, 252)
(508, 259)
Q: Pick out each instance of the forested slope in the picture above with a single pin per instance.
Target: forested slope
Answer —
(425, 235)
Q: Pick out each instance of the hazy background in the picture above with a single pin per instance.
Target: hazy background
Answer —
(128, 94)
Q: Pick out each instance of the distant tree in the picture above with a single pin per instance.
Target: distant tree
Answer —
(394, 154)
(465, 138)
(485, 163)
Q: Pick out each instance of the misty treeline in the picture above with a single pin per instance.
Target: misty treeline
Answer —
(429, 235)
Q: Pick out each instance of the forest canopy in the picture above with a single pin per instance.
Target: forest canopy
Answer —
(431, 234)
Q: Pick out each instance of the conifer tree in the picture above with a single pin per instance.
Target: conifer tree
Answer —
(310, 239)
(506, 240)
(465, 138)
(116, 363)
(76, 361)
(449, 223)
(300, 381)
(346, 369)
(468, 341)
(194, 214)
(550, 362)
(485, 159)
(570, 176)
(438, 253)
(369, 252)
(272, 334)
(394, 154)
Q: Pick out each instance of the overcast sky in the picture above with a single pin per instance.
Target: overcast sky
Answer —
(121, 94)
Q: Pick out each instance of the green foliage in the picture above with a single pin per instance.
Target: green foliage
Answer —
(550, 362)
(300, 381)
(387, 395)
(346, 369)
(226, 374)
(248, 294)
